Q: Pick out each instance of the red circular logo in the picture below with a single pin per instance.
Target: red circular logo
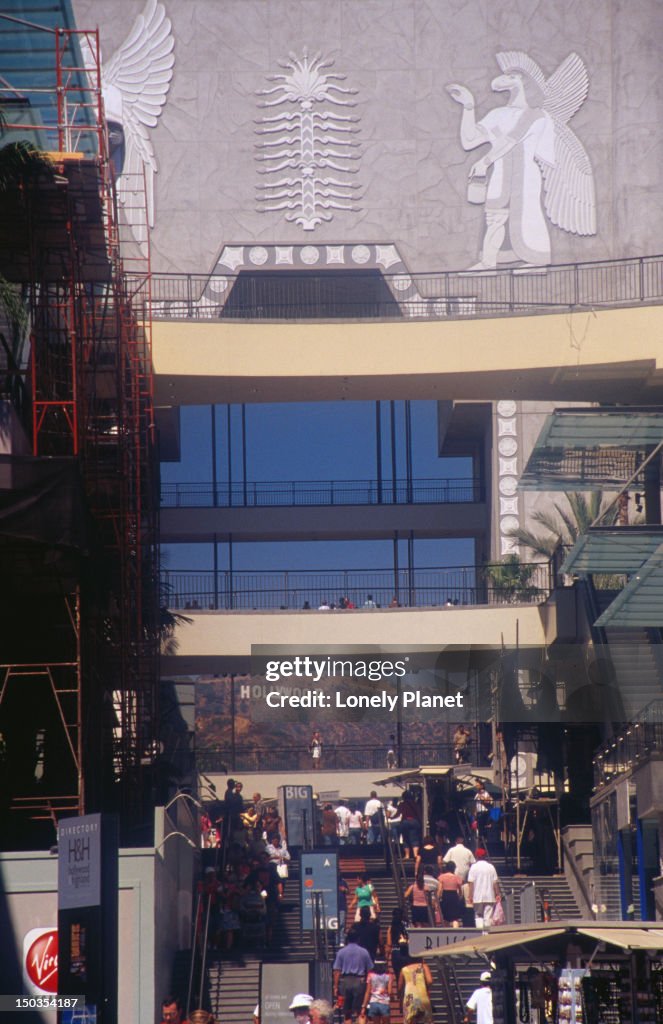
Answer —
(308, 882)
(41, 962)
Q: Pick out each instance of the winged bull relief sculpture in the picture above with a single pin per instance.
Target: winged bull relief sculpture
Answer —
(535, 166)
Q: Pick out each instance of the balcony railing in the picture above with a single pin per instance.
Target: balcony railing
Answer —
(632, 745)
(346, 757)
(307, 589)
(312, 295)
(268, 494)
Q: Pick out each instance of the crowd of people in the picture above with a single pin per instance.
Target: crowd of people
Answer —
(243, 889)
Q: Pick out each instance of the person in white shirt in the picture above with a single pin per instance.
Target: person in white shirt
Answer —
(461, 857)
(393, 820)
(343, 828)
(484, 889)
(372, 814)
(481, 1001)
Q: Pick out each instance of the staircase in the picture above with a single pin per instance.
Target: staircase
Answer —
(232, 985)
(604, 889)
(233, 980)
(562, 902)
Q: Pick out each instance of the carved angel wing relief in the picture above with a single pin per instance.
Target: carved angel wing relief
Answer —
(135, 84)
(569, 196)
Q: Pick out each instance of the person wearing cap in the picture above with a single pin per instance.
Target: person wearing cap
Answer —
(484, 889)
(301, 1008)
(481, 1001)
(349, 971)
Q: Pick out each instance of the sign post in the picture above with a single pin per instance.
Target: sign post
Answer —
(87, 916)
(298, 814)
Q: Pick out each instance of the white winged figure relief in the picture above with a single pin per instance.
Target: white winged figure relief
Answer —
(134, 85)
(534, 162)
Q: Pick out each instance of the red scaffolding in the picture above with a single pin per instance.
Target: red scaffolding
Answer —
(91, 396)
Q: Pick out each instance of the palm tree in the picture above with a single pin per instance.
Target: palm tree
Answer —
(564, 526)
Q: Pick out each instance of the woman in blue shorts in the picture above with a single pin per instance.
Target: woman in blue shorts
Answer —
(377, 996)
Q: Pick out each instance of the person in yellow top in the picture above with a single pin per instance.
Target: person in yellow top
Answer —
(414, 990)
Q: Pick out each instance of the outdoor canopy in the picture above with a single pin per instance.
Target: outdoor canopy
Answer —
(636, 937)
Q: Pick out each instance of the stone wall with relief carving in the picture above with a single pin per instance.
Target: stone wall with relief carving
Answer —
(366, 137)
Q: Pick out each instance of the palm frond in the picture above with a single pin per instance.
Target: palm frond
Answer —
(545, 517)
(540, 544)
(20, 162)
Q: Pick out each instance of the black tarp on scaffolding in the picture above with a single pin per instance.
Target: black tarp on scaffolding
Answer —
(42, 502)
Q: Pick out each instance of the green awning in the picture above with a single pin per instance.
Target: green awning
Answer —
(591, 449)
(640, 603)
(613, 549)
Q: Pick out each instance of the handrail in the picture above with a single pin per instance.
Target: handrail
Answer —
(307, 589)
(451, 988)
(199, 949)
(394, 858)
(320, 933)
(447, 294)
(582, 887)
(295, 493)
(335, 757)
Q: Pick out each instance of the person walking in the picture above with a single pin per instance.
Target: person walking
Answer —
(410, 813)
(462, 858)
(418, 894)
(343, 830)
(481, 1001)
(414, 990)
(373, 817)
(397, 948)
(355, 825)
(315, 749)
(484, 889)
(449, 893)
(328, 826)
(377, 996)
(365, 896)
(351, 966)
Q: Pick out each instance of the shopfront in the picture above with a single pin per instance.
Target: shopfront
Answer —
(568, 972)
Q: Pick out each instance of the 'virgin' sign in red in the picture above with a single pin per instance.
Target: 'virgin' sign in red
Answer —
(40, 959)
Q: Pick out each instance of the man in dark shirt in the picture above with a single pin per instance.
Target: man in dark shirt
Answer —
(264, 872)
(233, 805)
(368, 932)
(351, 966)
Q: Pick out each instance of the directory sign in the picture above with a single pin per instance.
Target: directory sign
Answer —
(319, 887)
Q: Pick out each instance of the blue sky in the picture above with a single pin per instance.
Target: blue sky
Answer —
(312, 441)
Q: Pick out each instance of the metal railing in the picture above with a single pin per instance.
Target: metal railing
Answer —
(271, 493)
(310, 294)
(307, 589)
(631, 746)
(344, 757)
